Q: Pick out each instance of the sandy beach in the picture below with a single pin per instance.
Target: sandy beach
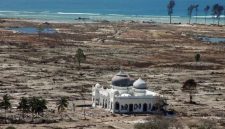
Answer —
(162, 54)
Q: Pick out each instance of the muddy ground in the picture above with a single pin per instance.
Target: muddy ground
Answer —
(161, 54)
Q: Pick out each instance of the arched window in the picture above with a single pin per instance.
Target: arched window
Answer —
(106, 103)
(135, 106)
(122, 107)
(117, 106)
(126, 107)
(145, 107)
(139, 106)
(154, 108)
(149, 106)
(103, 103)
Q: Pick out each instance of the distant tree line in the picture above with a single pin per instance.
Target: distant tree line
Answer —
(216, 11)
(33, 106)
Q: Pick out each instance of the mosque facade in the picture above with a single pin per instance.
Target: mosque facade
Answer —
(127, 96)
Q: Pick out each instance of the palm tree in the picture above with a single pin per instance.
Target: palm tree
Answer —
(224, 15)
(206, 10)
(217, 11)
(170, 7)
(5, 104)
(197, 57)
(190, 10)
(196, 12)
(80, 56)
(24, 106)
(41, 106)
(37, 106)
(190, 86)
(62, 105)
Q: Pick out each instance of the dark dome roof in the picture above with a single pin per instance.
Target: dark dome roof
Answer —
(121, 79)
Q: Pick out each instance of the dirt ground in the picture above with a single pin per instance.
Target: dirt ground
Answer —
(161, 54)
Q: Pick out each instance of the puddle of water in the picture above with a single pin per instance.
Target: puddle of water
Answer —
(212, 39)
(31, 30)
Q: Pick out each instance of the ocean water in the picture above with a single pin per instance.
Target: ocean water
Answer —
(113, 10)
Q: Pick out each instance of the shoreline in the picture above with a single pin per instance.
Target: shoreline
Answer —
(61, 17)
(39, 21)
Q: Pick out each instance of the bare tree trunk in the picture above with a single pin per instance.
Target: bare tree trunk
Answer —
(170, 19)
(190, 98)
(196, 18)
(32, 117)
(205, 18)
(190, 20)
(218, 21)
(5, 117)
(84, 110)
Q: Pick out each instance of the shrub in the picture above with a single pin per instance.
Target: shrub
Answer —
(10, 127)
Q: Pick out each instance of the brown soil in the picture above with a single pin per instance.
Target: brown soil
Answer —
(161, 54)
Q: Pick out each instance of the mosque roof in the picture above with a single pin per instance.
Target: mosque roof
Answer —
(140, 84)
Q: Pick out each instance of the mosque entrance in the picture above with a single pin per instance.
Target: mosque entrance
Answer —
(131, 106)
(145, 107)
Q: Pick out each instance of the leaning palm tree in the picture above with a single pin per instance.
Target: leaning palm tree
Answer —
(190, 86)
(170, 7)
(217, 11)
(206, 10)
(196, 12)
(24, 106)
(80, 56)
(5, 104)
(190, 10)
(62, 105)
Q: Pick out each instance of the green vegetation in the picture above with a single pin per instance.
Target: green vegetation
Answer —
(197, 57)
(170, 7)
(190, 11)
(5, 104)
(37, 106)
(190, 86)
(10, 127)
(217, 11)
(24, 106)
(62, 105)
(80, 57)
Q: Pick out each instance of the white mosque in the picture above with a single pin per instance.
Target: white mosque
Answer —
(127, 96)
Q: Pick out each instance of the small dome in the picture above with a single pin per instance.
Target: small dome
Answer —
(98, 85)
(121, 79)
(140, 84)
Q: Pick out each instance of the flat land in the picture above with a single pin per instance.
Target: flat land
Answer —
(161, 54)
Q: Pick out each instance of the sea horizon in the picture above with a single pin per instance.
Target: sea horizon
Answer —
(99, 10)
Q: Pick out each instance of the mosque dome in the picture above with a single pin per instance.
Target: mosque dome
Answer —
(98, 85)
(121, 79)
(140, 84)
